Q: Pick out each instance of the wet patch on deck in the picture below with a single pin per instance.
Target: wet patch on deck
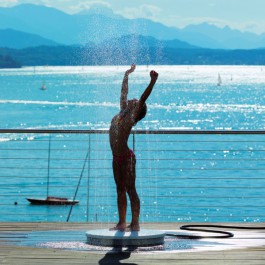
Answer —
(76, 241)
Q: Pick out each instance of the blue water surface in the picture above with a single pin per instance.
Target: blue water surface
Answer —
(179, 177)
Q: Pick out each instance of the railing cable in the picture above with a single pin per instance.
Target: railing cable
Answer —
(77, 187)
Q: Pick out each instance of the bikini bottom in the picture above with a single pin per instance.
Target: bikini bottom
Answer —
(121, 159)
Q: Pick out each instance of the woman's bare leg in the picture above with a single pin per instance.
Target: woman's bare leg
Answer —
(131, 190)
(121, 196)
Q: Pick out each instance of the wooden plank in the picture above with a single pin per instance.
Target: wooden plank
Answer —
(12, 254)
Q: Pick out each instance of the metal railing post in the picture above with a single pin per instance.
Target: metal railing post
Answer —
(49, 159)
(88, 175)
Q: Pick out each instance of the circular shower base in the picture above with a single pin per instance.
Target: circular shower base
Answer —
(144, 237)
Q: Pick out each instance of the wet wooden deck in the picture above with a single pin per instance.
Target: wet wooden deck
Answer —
(250, 248)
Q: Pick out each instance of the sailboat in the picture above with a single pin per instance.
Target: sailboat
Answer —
(219, 81)
(51, 200)
(43, 86)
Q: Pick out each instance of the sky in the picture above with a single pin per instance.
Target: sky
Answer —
(245, 15)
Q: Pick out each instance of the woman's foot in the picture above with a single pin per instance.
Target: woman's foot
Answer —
(119, 226)
(133, 227)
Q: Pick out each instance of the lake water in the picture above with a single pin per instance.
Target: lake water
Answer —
(185, 97)
(172, 181)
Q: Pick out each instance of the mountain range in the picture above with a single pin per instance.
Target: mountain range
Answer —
(17, 39)
(34, 25)
(38, 35)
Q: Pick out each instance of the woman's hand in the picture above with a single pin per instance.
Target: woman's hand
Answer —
(133, 66)
(153, 75)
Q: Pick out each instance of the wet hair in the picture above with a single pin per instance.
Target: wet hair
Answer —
(142, 114)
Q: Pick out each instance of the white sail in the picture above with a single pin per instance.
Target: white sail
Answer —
(43, 87)
(219, 82)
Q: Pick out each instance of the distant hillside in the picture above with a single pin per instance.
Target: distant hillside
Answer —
(134, 42)
(47, 22)
(8, 62)
(124, 55)
(80, 28)
(99, 25)
(16, 39)
(124, 50)
(226, 37)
